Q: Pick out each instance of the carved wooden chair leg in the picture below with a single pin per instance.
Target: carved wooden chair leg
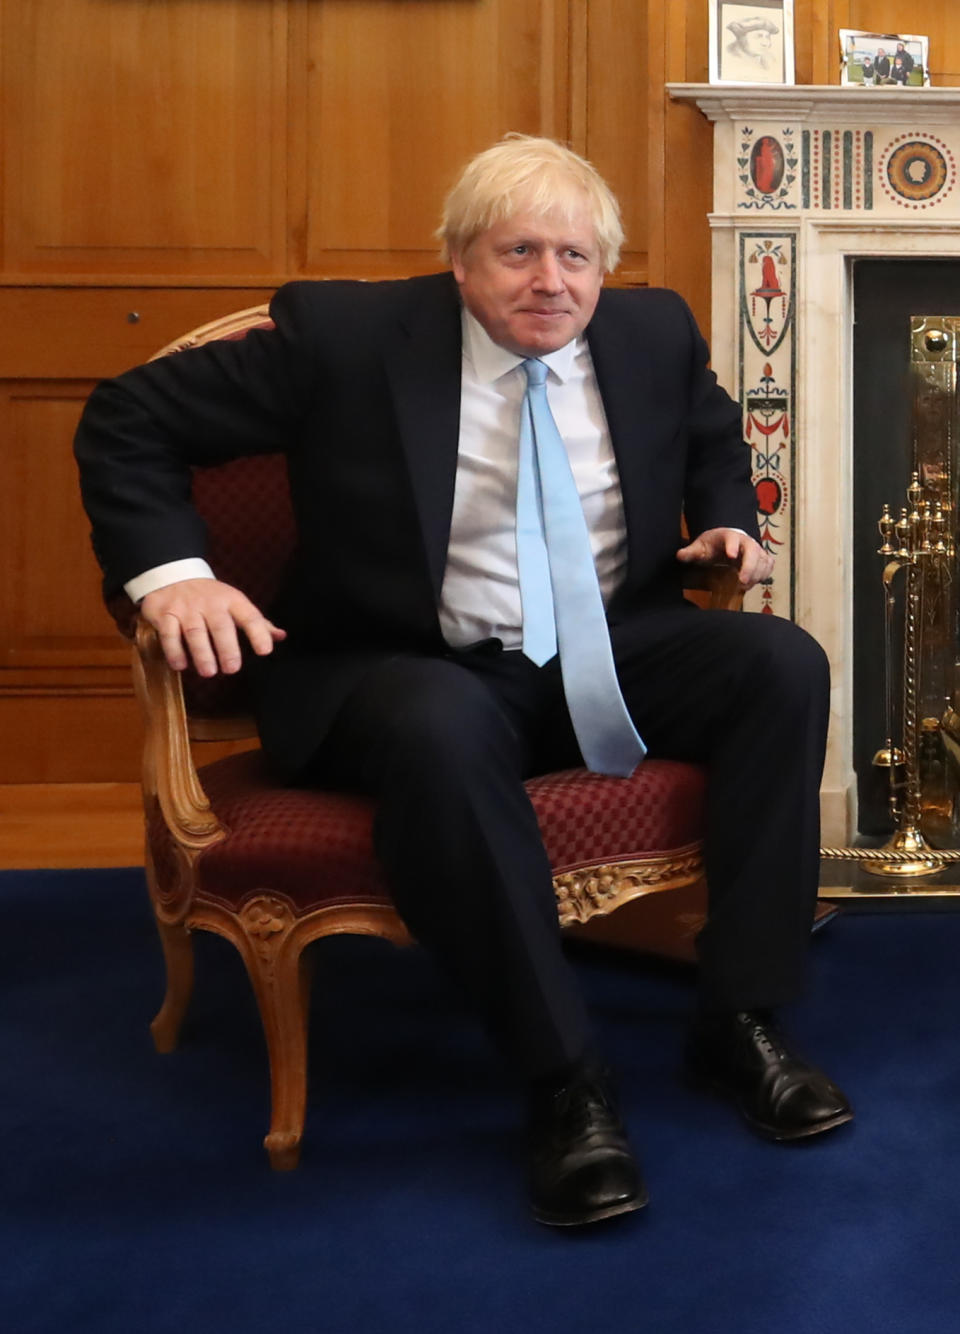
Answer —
(178, 957)
(281, 985)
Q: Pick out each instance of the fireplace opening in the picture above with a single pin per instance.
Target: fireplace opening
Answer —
(887, 294)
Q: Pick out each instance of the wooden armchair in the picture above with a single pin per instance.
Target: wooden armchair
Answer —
(272, 868)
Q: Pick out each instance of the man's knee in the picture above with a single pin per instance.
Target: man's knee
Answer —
(791, 653)
(782, 663)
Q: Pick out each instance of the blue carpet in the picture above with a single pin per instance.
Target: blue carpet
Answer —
(136, 1198)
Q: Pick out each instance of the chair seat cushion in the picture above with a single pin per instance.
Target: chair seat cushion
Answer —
(316, 847)
(588, 818)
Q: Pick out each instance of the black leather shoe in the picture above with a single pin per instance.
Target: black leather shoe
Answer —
(744, 1058)
(581, 1167)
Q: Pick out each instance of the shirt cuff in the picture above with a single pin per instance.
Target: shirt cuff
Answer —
(174, 572)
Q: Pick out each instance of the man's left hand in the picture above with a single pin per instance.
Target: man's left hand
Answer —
(719, 546)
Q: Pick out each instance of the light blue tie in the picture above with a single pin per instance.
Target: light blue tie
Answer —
(559, 594)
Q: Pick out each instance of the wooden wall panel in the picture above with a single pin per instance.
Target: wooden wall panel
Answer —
(91, 332)
(615, 138)
(680, 165)
(399, 96)
(71, 824)
(70, 735)
(51, 613)
(145, 137)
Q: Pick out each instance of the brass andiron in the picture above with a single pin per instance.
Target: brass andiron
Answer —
(919, 543)
(921, 684)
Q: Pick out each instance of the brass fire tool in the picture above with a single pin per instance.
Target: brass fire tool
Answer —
(920, 545)
(917, 544)
(922, 771)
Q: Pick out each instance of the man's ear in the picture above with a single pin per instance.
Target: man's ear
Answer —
(456, 264)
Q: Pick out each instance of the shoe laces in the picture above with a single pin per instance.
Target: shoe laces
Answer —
(582, 1104)
(766, 1037)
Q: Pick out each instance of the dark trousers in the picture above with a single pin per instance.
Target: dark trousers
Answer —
(444, 744)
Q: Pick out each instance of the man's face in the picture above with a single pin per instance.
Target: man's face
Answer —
(532, 281)
(758, 41)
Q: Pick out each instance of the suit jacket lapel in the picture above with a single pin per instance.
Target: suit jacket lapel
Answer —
(623, 377)
(423, 368)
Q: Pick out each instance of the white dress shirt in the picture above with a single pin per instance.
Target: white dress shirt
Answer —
(480, 597)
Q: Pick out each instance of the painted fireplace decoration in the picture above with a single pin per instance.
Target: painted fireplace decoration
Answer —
(806, 181)
(836, 170)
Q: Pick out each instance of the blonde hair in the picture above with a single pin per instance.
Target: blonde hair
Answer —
(522, 172)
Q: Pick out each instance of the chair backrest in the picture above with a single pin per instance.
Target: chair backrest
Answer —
(251, 531)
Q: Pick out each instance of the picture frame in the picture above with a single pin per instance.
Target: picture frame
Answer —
(751, 43)
(884, 59)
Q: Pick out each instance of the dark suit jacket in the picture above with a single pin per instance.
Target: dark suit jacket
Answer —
(359, 385)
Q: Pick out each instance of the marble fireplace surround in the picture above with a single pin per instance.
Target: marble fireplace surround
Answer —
(807, 180)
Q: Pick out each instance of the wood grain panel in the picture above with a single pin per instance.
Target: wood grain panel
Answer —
(617, 78)
(399, 96)
(51, 613)
(680, 165)
(143, 136)
(811, 23)
(91, 332)
(71, 824)
(70, 738)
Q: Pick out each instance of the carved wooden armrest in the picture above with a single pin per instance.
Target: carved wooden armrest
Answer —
(719, 583)
(169, 774)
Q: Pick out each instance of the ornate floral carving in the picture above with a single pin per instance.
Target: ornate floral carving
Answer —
(266, 919)
(598, 890)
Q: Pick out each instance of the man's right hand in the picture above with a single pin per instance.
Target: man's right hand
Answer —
(197, 620)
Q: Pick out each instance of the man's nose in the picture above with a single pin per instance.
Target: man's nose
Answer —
(549, 276)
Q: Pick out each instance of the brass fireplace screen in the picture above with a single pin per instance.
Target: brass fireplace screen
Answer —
(917, 579)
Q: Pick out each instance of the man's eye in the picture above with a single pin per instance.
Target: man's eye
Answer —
(575, 254)
(521, 249)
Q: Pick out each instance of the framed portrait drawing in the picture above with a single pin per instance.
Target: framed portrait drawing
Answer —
(751, 43)
(884, 59)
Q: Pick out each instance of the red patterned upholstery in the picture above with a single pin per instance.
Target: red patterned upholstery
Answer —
(316, 848)
(587, 818)
(250, 542)
(250, 525)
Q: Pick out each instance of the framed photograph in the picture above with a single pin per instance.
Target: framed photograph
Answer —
(884, 59)
(751, 43)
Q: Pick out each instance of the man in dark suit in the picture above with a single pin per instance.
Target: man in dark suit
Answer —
(405, 667)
